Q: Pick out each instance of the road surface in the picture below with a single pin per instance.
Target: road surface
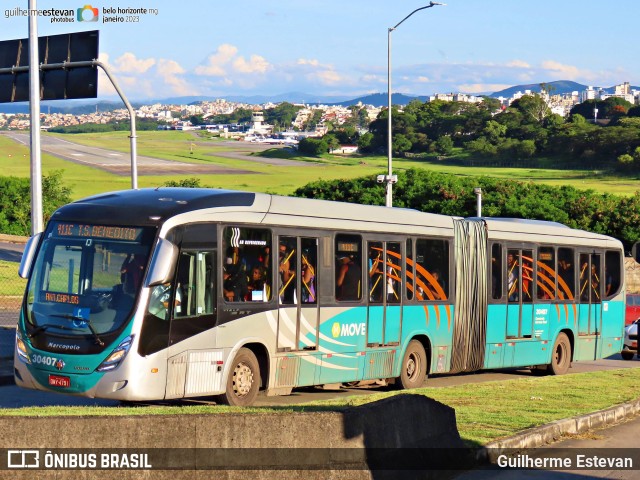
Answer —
(119, 163)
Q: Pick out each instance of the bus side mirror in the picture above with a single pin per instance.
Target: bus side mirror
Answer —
(28, 255)
(162, 264)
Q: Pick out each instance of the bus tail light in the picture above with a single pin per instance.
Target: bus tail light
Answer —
(117, 356)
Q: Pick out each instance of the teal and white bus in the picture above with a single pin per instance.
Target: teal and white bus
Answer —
(172, 293)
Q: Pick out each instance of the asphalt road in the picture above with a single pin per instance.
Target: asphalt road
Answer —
(14, 397)
(11, 252)
(119, 163)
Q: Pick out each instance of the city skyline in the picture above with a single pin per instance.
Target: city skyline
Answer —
(217, 49)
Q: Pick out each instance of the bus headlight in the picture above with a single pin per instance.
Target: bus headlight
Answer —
(118, 354)
(21, 348)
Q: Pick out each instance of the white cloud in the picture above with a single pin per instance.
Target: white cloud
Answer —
(329, 77)
(216, 62)
(128, 63)
(256, 64)
(566, 71)
(171, 73)
(518, 64)
(482, 87)
(304, 61)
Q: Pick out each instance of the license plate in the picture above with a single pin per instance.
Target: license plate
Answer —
(59, 381)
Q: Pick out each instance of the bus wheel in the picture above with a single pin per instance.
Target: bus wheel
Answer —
(627, 355)
(561, 356)
(244, 380)
(414, 366)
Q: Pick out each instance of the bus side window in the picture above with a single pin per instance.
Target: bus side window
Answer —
(348, 269)
(496, 271)
(194, 288)
(247, 263)
(547, 274)
(432, 269)
(409, 270)
(612, 273)
(566, 274)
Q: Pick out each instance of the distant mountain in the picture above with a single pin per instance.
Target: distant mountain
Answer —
(382, 99)
(78, 107)
(291, 97)
(557, 87)
(75, 107)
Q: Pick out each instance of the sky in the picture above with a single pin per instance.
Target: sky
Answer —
(335, 48)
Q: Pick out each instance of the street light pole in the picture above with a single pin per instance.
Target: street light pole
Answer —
(389, 179)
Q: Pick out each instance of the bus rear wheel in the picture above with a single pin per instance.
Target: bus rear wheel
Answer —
(561, 356)
(627, 355)
(244, 380)
(414, 366)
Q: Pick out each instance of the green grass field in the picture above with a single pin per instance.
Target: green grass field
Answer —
(176, 146)
(10, 283)
(484, 411)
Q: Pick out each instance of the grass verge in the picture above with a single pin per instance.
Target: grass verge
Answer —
(10, 283)
(485, 412)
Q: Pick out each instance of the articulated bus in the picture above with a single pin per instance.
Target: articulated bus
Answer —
(172, 293)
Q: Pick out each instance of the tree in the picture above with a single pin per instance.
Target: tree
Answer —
(15, 201)
(185, 183)
(331, 142)
(444, 145)
(533, 107)
(401, 144)
(364, 143)
(313, 146)
(494, 131)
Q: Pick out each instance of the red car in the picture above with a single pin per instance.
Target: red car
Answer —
(633, 308)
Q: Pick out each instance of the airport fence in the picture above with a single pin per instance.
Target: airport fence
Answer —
(11, 285)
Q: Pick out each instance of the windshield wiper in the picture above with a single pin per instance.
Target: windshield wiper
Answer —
(42, 328)
(83, 320)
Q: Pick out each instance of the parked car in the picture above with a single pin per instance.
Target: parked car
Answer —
(630, 347)
(632, 312)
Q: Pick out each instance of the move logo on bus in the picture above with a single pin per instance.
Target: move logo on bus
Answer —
(348, 329)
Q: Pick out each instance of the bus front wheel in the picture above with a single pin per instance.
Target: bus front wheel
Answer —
(414, 366)
(561, 356)
(244, 380)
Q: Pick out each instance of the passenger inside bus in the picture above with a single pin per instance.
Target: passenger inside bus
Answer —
(234, 276)
(287, 273)
(257, 289)
(131, 273)
(513, 272)
(348, 279)
(308, 281)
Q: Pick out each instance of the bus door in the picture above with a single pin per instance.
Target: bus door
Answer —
(297, 293)
(520, 277)
(384, 292)
(589, 294)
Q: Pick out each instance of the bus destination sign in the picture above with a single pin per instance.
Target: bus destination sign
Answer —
(97, 231)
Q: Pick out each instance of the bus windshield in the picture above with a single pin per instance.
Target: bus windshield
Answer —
(86, 278)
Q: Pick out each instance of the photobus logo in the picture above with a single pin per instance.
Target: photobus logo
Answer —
(88, 14)
(23, 459)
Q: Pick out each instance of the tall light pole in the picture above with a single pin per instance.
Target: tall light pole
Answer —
(389, 178)
(34, 117)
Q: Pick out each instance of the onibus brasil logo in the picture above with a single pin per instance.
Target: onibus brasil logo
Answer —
(88, 14)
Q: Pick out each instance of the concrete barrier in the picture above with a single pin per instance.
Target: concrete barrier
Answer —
(357, 443)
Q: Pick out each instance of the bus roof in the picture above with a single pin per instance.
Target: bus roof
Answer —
(174, 205)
